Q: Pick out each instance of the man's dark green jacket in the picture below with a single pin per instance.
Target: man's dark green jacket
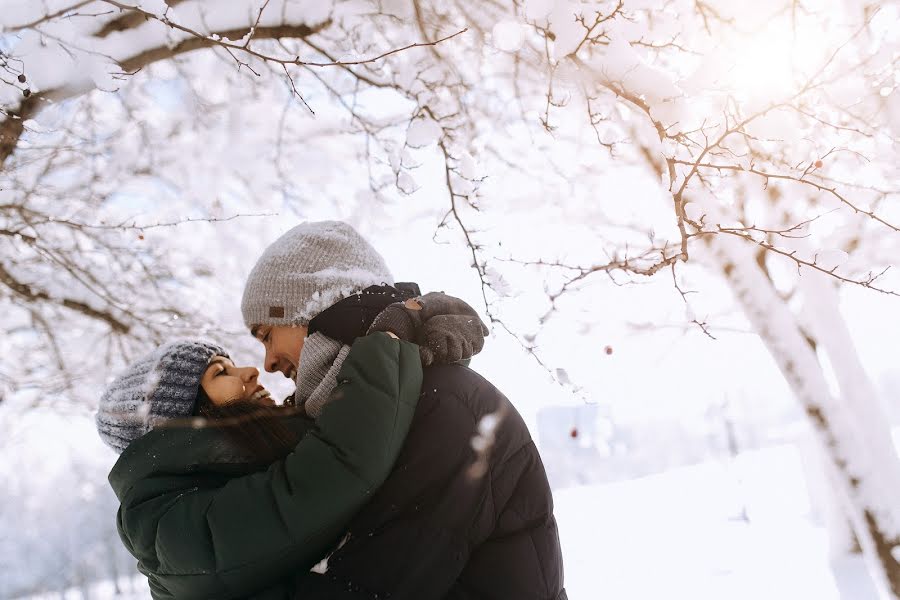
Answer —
(199, 530)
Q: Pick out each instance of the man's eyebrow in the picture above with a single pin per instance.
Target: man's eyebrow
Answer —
(254, 331)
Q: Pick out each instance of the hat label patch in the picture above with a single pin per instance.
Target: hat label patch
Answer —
(276, 312)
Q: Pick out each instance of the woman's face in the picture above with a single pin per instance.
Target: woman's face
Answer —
(225, 383)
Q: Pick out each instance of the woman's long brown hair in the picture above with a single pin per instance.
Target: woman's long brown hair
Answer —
(260, 431)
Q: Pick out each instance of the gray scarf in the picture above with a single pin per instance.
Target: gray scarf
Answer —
(320, 361)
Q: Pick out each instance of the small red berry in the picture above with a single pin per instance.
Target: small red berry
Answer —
(141, 236)
(608, 350)
(818, 164)
(574, 433)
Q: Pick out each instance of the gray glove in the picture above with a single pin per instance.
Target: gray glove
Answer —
(446, 328)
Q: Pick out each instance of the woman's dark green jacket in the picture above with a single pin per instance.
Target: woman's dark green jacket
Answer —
(200, 531)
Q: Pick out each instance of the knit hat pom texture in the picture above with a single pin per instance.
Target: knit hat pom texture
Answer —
(161, 385)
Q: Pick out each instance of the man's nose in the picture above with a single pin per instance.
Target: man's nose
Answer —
(271, 362)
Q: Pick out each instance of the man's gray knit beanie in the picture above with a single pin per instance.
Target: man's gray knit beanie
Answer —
(308, 269)
(160, 386)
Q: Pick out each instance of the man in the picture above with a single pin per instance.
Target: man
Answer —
(467, 510)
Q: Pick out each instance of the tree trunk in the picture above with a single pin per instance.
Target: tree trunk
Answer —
(827, 505)
(867, 474)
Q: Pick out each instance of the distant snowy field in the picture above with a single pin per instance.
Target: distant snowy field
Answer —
(682, 534)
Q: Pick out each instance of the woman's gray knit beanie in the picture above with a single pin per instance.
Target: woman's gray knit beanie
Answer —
(308, 269)
(160, 386)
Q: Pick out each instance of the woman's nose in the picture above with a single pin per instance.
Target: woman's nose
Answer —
(249, 373)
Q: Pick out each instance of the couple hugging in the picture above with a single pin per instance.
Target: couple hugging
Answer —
(393, 472)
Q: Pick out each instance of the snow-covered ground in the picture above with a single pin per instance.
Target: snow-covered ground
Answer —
(134, 588)
(739, 529)
(683, 534)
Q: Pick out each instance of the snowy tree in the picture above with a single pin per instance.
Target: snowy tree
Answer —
(94, 176)
(573, 144)
(773, 151)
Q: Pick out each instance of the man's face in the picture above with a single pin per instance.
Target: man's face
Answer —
(283, 345)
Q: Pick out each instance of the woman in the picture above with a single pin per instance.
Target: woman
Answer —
(222, 494)
(205, 515)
